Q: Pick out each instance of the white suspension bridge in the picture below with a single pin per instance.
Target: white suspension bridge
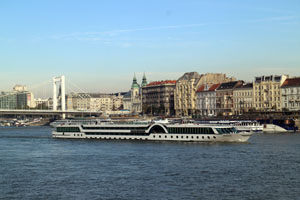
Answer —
(58, 105)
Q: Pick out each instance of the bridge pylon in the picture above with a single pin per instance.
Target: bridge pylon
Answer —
(61, 94)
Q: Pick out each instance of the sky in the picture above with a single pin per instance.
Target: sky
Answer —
(99, 45)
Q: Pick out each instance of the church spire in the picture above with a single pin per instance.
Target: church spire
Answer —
(134, 83)
(144, 83)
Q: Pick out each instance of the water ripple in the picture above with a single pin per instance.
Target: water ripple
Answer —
(35, 166)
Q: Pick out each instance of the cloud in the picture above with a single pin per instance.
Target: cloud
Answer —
(108, 37)
(112, 33)
(271, 19)
(103, 35)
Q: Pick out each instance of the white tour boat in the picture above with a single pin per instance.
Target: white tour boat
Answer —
(151, 131)
(240, 125)
(77, 121)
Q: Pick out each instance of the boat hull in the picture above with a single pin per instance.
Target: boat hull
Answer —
(240, 137)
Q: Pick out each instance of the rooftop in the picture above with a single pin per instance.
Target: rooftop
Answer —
(190, 75)
(214, 87)
(291, 82)
(245, 86)
(156, 83)
(201, 88)
(228, 85)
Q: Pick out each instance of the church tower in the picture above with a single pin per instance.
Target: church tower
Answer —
(135, 87)
(144, 82)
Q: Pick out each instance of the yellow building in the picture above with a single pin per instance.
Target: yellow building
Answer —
(186, 87)
(267, 92)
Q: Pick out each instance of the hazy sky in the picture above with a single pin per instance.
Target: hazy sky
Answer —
(99, 45)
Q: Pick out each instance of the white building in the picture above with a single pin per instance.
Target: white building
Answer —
(94, 101)
(20, 88)
(206, 100)
(78, 101)
(290, 91)
(242, 98)
(127, 101)
(132, 100)
(42, 103)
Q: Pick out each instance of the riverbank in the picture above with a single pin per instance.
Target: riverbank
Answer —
(24, 122)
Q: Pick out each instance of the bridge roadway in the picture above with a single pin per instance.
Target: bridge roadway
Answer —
(47, 112)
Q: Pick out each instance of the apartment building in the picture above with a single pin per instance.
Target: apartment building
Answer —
(267, 92)
(224, 97)
(206, 100)
(186, 87)
(290, 91)
(158, 98)
(243, 98)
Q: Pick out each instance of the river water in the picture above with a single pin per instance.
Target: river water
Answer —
(35, 166)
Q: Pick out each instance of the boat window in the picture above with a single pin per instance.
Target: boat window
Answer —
(226, 130)
(220, 131)
(67, 129)
(233, 130)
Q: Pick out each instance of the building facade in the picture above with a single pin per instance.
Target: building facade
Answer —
(158, 98)
(42, 104)
(101, 102)
(19, 98)
(127, 101)
(186, 87)
(290, 91)
(117, 101)
(242, 98)
(267, 92)
(136, 97)
(224, 97)
(133, 99)
(185, 94)
(94, 102)
(206, 100)
(78, 101)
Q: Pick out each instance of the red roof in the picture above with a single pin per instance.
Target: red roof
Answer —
(214, 87)
(291, 82)
(201, 88)
(156, 83)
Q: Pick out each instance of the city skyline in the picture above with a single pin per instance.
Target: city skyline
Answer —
(100, 45)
